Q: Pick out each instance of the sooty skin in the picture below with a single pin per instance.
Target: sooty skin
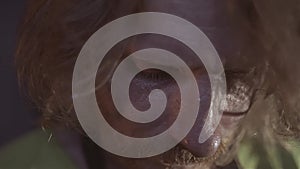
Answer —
(232, 39)
(57, 30)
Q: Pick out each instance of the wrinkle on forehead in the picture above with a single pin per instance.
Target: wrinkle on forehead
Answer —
(223, 24)
(213, 17)
(201, 13)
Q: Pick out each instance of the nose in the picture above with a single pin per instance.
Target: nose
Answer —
(190, 142)
(206, 149)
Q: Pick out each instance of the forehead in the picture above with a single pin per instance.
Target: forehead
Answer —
(222, 24)
(200, 12)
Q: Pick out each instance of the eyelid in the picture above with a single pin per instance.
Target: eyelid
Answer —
(148, 62)
(142, 62)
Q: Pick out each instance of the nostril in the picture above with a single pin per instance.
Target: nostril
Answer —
(206, 149)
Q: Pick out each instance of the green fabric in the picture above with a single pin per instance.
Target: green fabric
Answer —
(254, 155)
(34, 151)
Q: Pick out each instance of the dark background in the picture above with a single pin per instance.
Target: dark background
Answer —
(17, 116)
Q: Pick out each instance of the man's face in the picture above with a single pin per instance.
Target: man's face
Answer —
(257, 46)
(239, 50)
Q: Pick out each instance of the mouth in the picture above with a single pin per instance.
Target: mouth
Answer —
(241, 88)
(180, 157)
